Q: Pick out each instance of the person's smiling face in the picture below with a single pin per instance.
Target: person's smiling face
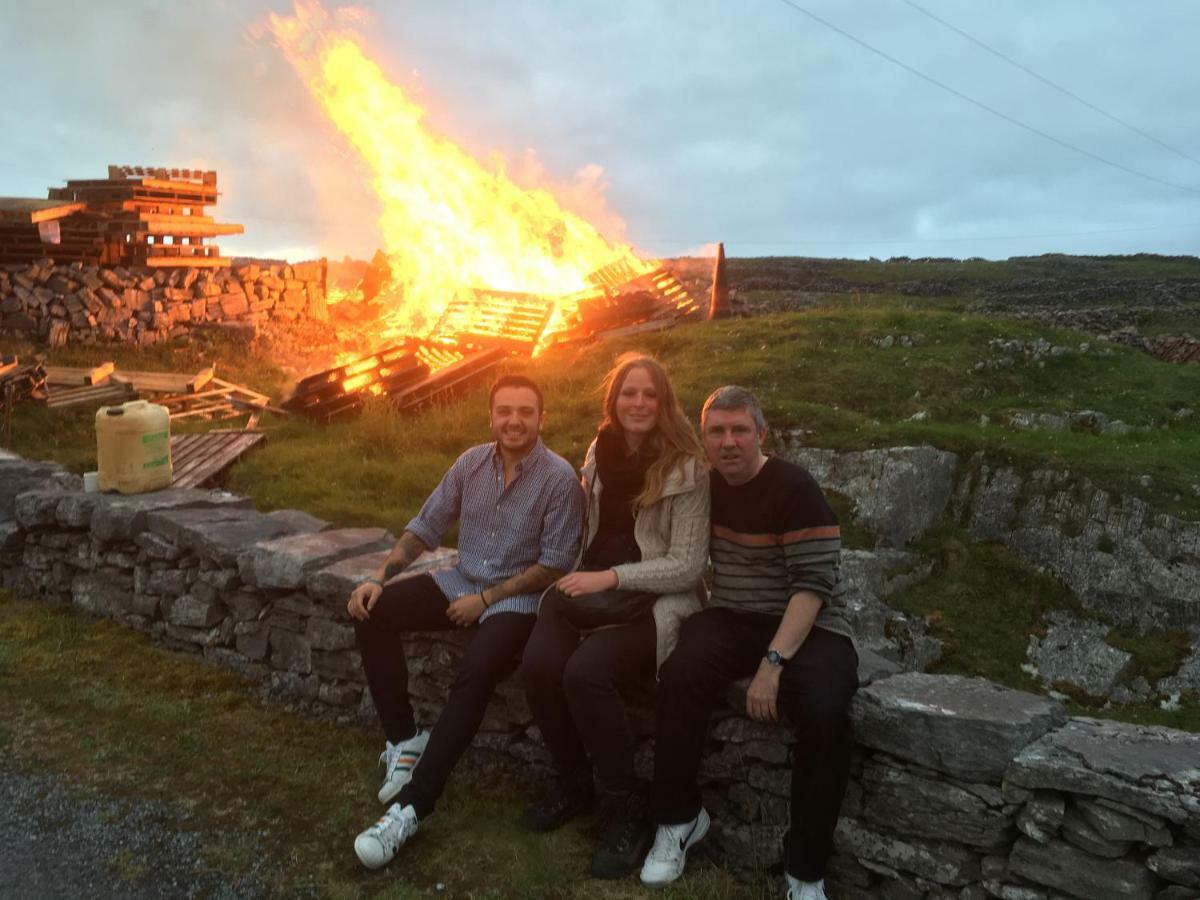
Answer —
(516, 419)
(637, 405)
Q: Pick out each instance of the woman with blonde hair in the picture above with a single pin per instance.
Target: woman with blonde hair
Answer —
(614, 620)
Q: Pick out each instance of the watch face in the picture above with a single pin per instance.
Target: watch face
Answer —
(774, 658)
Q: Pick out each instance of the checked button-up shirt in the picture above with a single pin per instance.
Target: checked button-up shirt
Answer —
(502, 531)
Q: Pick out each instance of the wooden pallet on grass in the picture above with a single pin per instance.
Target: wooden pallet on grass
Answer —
(198, 458)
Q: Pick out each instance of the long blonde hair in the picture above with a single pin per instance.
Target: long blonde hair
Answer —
(673, 439)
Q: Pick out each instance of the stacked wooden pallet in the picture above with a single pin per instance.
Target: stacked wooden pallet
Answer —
(34, 229)
(147, 216)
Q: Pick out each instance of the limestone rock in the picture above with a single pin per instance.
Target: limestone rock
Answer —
(286, 562)
(105, 593)
(324, 634)
(899, 493)
(1150, 769)
(1042, 816)
(944, 863)
(1118, 822)
(192, 612)
(1180, 865)
(966, 727)
(119, 517)
(222, 535)
(18, 476)
(1118, 557)
(334, 583)
(1075, 652)
(1076, 873)
(1078, 831)
(904, 802)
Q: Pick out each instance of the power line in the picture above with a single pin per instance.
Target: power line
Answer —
(981, 105)
(1047, 81)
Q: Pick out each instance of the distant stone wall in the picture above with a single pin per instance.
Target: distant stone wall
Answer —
(960, 788)
(77, 304)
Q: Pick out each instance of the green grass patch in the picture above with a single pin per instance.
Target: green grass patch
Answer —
(983, 603)
(816, 370)
(101, 707)
(1156, 654)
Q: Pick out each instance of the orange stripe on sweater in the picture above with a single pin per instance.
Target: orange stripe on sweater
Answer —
(820, 532)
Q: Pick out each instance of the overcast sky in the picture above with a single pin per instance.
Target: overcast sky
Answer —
(745, 122)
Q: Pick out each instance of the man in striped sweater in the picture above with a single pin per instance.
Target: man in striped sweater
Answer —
(776, 613)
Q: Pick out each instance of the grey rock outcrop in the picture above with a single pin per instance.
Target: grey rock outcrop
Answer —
(899, 493)
(1119, 558)
(1075, 653)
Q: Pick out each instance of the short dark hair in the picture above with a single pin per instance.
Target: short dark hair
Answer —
(517, 381)
(732, 397)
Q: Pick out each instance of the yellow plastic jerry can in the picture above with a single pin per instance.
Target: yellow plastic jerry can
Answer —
(133, 447)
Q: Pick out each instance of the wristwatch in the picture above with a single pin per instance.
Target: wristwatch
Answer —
(774, 657)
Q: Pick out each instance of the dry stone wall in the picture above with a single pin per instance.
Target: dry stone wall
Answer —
(74, 303)
(960, 787)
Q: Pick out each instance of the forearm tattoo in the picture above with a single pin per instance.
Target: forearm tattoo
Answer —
(407, 549)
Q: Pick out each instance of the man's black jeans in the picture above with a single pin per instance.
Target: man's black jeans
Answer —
(716, 647)
(418, 604)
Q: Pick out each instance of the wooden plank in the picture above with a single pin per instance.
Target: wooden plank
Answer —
(196, 262)
(203, 377)
(230, 386)
(155, 382)
(107, 394)
(212, 454)
(30, 211)
(79, 376)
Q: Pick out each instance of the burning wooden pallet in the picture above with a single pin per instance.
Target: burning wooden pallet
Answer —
(196, 459)
(411, 374)
(496, 318)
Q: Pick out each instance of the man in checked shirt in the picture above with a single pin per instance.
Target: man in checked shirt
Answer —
(519, 508)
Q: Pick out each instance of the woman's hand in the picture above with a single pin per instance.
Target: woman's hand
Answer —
(587, 582)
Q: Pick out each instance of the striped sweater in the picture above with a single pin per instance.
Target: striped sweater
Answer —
(773, 536)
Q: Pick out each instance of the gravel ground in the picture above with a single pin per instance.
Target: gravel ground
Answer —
(56, 841)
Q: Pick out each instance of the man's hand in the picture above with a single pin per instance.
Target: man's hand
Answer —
(763, 692)
(362, 598)
(465, 610)
(587, 582)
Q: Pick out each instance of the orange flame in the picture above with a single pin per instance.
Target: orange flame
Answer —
(448, 225)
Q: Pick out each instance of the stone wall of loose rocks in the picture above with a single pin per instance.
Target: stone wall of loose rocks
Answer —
(74, 303)
(960, 787)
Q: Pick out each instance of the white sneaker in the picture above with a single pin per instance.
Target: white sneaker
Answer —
(399, 760)
(805, 890)
(664, 863)
(377, 845)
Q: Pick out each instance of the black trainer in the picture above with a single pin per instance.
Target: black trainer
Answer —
(625, 836)
(562, 800)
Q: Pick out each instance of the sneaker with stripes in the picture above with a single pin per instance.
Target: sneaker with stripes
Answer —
(376, 846)
(398, 761)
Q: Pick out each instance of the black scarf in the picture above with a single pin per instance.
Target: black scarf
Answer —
(622, 476)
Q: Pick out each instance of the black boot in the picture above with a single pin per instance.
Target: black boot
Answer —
(625, 834)
(566, 797)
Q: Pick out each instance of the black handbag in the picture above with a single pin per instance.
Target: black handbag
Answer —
(587, 612)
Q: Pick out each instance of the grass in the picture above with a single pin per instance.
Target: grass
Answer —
(983, 603)
(112, 714)
(816, 370)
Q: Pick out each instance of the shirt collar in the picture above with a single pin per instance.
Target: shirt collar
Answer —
(531, 459)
